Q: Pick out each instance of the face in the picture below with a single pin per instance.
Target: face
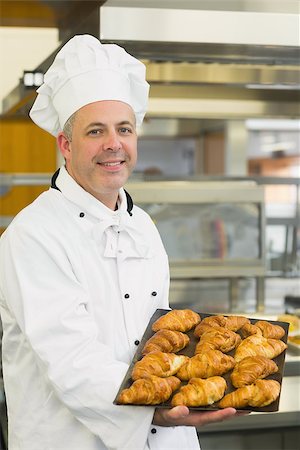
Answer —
(103, 150)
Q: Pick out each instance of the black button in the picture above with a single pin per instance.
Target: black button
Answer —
(81, 214)
(137, 342)
(154, 293)
(126, 296)
(153, 430)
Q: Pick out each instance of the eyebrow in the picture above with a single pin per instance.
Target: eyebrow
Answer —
(100, 124)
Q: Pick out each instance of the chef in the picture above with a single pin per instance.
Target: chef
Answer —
(82, 270)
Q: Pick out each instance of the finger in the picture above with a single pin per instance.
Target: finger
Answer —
(205, 418)
(177, 413)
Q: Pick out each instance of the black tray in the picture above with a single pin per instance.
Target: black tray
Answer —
(190, 350)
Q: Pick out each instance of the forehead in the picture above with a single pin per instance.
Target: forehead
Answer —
(106, 111)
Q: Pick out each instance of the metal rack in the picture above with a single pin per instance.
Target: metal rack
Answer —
(173, 197)
(290, 259)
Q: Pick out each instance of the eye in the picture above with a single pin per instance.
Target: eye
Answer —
(95, 131)
(125, 130)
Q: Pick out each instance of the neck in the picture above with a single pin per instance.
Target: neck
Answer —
(109, 201)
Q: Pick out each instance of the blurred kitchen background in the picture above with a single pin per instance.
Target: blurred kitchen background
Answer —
(223, 113)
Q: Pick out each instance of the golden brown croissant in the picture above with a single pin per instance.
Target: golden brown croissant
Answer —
(208, 323)
(200, 392)
(260, 393)
(232, 323)
(166, 341)
(177, 320)
(252, 368)
(270, 330)
(203, 327)
(205, 365)
(248, 329)
(218, 339)
(258, 345)
(158, 363)
(149, 391)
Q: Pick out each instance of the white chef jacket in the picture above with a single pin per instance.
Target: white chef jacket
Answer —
(78, 285)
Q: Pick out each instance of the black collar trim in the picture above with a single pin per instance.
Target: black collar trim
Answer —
(129, 203)
(53, 180)
(128, 197)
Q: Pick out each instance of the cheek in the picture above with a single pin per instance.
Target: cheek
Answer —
(133, 153)
(134, 157)
(83, 153)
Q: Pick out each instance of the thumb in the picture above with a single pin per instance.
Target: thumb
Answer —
(178, 412)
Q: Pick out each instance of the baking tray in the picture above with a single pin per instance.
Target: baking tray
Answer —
(189, 351)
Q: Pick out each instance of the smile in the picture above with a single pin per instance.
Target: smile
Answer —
(111, 164)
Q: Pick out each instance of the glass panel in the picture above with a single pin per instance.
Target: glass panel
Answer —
(208, 231)
(282, 229)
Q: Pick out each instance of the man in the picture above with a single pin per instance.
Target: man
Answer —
(83, 270)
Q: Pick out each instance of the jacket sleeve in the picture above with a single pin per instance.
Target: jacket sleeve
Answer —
(49, 306)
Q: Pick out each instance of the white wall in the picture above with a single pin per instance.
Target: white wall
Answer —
(22, 49)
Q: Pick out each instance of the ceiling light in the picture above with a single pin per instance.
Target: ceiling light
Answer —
(274, 86)
(33, 79)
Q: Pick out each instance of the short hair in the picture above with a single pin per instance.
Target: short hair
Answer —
(68, 127)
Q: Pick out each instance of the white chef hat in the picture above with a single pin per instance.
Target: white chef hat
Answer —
(85, 71)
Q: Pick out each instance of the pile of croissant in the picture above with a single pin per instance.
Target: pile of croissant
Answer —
(164, 375)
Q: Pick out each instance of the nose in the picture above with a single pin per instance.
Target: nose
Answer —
(112, 141)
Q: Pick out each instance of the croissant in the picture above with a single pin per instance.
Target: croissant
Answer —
(218, 339)
(166, 341)
(200, 392)
(248, 329)
(177, 320)
(208, 323)
(149, 391)
(204, 325)
(232, 323)
(206, 365)
(256, 345)
(270, 330)
(252, 368)
(158, 363)
(260, 393)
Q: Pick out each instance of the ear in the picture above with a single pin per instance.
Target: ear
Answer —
(64, 145)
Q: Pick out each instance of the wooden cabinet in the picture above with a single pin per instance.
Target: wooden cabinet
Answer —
(24, 148)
